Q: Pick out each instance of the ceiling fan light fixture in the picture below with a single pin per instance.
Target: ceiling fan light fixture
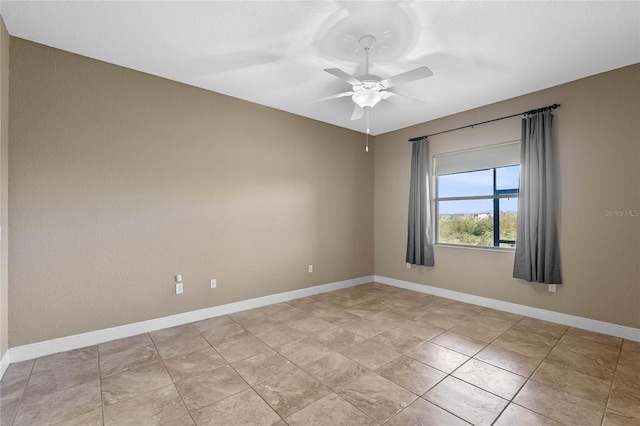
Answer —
(367, 98)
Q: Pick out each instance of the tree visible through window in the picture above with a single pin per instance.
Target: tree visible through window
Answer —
(479, 207)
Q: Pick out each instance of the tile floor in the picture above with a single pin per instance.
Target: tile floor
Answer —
(366, 355)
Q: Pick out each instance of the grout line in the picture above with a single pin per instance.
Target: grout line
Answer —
(613, 379)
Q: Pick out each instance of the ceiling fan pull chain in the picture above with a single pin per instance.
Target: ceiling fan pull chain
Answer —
(366, 111)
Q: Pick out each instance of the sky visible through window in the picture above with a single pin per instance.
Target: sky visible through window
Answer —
(477, 183)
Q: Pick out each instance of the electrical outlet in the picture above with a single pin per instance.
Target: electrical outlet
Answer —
(179, 278)
(552, 288)
(214, 283)
(179, 288)
(310, 268)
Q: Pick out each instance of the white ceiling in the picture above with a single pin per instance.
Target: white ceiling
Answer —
(273, 52)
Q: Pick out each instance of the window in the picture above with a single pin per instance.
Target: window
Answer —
(477, 196)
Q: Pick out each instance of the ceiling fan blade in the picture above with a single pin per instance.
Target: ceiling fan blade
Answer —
(343, 75)
(407, 77)
(357, 113)
(397, 98)
(326, 98)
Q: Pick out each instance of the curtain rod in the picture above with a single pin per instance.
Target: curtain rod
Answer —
(533, 111)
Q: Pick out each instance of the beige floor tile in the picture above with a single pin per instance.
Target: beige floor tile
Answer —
(17, 370)
(603, 339)
(625, 400)
(14, 381)
(338, 338)
(485, 331)
(133, 357)
(365, 309)
(152, 408)
(412, 340)
(443, 318)
(291, 392)
(525, 343)
(490, 378)
(365, 327)
(8, 410)
(290, 315)
(627, 377)
(184, 420)
(262, 324)
(262, 367)
(331, 314)
(304, 351)
(335, 370)
(466, 401)
(222, 333)
(593, 365)
(459, 343)
(172, 333)
(244, 408)
(438, 357)
(397, 340)
(546, 328)
(630, 355)
(133, 382)
(589, 347)
(390, 318)
(241, 348)
(490, 315)
(62, 371)
(92, 418)
(330, 411)
(57, 406)
(587, 387)
(181, 345)
(370, 354)
(558, 405)
(424, 413)
(278, 307)
(279, 335)
(376, 396)
(412, 375)
(612, 418)
(249, 317)
(67, 359)
(128, 343)
(517, 415)
(420, 330)
(303, 301)
(193, 363)
(212, 323)
(508, 360)
(209, 387)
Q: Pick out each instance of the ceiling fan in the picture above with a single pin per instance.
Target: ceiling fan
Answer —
(368, 90)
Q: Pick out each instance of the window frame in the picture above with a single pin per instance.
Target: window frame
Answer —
(497, 195)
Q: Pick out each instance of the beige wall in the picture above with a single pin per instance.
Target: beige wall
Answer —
(4, 170)
(598, 139)
(120, 180)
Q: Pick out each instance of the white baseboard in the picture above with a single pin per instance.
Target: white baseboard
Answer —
(4, 362)
(49, 347)
(611, 329)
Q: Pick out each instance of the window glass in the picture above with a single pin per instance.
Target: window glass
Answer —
(478, 207)
(468, 222)
(508, 225)
(507, 177)
(466, 184)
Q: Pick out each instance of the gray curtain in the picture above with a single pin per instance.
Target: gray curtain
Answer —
(419, 236)
(537, 257)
